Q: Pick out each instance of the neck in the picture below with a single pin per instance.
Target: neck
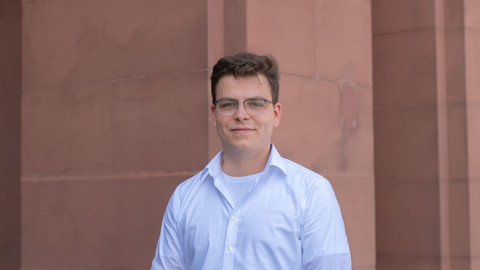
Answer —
(237, 163)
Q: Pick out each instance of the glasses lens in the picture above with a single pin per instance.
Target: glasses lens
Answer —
(227, 106)
(255, 105)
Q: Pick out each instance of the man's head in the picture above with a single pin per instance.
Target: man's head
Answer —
(245, 65)
(245, 107)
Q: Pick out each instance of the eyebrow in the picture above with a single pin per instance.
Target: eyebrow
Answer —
(260, 97)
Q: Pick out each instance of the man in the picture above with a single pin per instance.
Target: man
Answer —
(249, 208)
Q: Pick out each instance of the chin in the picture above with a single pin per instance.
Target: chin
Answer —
(242, 146)
(246, 146)
(236, 145)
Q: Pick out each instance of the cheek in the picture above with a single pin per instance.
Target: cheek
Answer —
(219, 123)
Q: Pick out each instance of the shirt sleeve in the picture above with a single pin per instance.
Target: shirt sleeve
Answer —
(324, 241)
(168, 254)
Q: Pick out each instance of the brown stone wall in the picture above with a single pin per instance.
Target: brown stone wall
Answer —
(114, 117)
(115, 113)
(426, 135)
(406, 135)
(10, 102)
(111, 115)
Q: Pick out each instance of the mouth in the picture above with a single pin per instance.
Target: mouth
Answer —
(242, 130)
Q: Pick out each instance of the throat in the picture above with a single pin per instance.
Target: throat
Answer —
(242, 165)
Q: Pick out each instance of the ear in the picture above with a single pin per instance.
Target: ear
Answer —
(277, 114)
(214, 119)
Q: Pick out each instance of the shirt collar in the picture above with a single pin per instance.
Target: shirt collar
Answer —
(214, 167)
(276, 160)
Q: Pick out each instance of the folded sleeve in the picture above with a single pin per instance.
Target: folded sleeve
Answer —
(324, 240)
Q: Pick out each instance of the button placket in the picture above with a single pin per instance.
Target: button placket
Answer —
(230, 242)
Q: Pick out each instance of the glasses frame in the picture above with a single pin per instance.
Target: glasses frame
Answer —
(237, 104)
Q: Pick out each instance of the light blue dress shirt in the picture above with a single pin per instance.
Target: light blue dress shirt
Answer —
(289, 219)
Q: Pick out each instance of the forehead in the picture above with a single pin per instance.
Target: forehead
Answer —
(243, 86)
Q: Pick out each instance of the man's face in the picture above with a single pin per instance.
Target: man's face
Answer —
(242, 131)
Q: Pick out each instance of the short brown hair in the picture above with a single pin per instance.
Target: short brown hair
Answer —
(247, 64)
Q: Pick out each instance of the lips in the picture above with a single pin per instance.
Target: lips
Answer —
(242, 130)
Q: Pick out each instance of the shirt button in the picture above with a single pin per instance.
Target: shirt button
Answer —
(230, 248)
(234, 218)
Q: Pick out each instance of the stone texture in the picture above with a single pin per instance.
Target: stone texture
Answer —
(392, 16)
(341, 50)
(408, 70)
(459, 234)
(318, 104)
(327, 37)
(414, 229)
(472, 44)
(474, 217)
(408, 262)
(10, 130)
(147, 138)
(94, 223)
(119, 127)
(406, 134)
(472, 9)
(84, 41)
(423, 100)
(355, 195)
(298, 27)
(114, 116)
(235, 26)
(115, 109)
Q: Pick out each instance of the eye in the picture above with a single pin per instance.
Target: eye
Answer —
(255, 103)
(226, 104)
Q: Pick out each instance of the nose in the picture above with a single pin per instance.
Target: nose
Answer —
(241, 113)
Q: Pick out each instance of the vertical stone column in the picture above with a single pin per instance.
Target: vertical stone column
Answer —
(423, 135)
(472, 96)
(10, 124)
(406, 135)
(453, 142)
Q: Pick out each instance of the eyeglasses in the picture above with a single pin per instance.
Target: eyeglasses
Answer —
(253, 106)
